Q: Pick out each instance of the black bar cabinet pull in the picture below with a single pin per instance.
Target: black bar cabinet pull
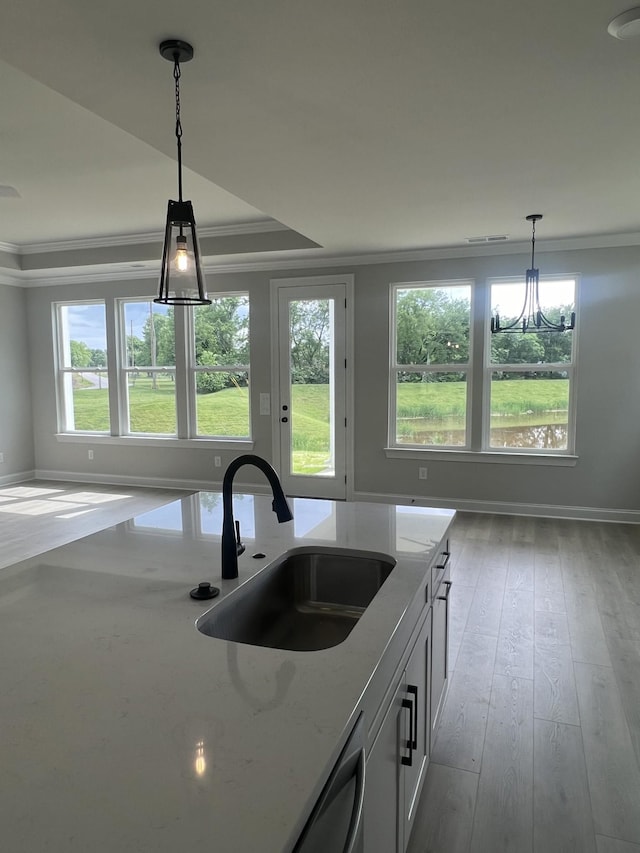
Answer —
(413, 689)
(408, 760)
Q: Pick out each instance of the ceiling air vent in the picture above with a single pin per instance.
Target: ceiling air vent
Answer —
(490, 238)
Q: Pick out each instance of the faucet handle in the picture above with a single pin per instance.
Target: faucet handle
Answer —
(240, 549)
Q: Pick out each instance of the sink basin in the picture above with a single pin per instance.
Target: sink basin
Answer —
(304, 601)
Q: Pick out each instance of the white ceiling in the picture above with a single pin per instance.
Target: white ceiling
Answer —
(365, 125)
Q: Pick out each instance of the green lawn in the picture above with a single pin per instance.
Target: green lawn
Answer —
(437, 405)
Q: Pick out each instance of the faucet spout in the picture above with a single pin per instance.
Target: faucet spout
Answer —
(279, 506)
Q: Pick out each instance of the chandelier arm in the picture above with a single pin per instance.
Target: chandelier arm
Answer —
(518, 320)
(559, 327)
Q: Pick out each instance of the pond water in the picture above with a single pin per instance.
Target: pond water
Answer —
(527, 436)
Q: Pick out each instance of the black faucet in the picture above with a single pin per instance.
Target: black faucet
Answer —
(231, 544)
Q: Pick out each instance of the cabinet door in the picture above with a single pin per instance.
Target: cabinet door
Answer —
(415, 725)
(382, 787)
(439, 653)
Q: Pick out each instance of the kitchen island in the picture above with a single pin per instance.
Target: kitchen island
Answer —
(126, 729)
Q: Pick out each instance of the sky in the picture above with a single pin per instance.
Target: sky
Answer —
(86, 322)
(509, 296)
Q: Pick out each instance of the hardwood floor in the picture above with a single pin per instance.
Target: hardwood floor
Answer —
(538, 750)
(39, 515)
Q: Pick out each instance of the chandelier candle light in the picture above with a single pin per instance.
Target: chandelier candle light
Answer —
(181, 278)
(532, 318)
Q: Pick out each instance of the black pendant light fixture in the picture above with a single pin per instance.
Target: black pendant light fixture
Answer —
(532, 318)
(181, 278)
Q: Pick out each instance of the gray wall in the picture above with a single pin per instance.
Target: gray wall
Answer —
(16, 438)
(608, 442)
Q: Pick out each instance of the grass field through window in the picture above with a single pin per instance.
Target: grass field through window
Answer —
(518, 403)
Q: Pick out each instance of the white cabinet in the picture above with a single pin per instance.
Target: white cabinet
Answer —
(439, 652)
(382, 786)
(417, 728)
(398, 759)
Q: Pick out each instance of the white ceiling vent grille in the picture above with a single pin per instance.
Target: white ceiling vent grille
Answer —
(490, 238)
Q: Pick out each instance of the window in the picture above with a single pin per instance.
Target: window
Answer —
(523, 387)
(82, 367)
(148, 368)
(430, 364)
(220, 371)
(176, 372)
(529, 376)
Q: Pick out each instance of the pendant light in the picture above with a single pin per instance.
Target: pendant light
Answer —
(532, 318)
(181, 278)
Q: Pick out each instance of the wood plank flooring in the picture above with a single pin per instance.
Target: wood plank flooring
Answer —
(39, 515)
(538, 750)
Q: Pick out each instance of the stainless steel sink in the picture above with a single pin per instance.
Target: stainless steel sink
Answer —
(304, 601)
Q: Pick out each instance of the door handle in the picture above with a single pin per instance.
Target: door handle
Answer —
(408, 760)
(284, 420)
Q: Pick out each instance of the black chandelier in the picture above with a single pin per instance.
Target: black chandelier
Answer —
(532, 318)
(181, 278)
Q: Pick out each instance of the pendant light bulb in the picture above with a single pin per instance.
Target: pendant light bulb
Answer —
(181, 259)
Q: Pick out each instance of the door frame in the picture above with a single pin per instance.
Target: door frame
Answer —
(276, 285)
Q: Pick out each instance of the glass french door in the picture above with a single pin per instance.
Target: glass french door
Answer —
(312, 384)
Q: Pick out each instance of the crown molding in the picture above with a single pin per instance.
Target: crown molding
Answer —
(10, 248)
(259, 227)
(308, 259)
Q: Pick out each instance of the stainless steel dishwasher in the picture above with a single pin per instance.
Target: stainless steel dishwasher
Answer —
(335, 824)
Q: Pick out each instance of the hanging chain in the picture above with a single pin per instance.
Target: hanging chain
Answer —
(533, 240)
(176, 77)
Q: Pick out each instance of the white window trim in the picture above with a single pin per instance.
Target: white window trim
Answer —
(116, 371)
(569, 368)
(466, 369)
(64, 400)
(480, 315)
(191, 368)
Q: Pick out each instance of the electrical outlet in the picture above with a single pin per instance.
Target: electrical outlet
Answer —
(422, 473)
(217, 461)
(90, 454)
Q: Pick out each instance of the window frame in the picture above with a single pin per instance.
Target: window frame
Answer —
(124, 370)
(477, 447)
(395, 368)
(117, 371)
(64, 400)
(193, 369)
(569, 368)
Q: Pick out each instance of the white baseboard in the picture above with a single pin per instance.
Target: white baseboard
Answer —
(21, 476)
(462, 504)
(581, 513)
(149, 482)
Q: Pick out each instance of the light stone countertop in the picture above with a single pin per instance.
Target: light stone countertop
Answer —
(123, 729)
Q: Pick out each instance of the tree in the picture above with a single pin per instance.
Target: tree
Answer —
(432, 327)
(533, 347)
(98, 358)
(309, 331)
(222, 331)
(221, 338)
(80, 354)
